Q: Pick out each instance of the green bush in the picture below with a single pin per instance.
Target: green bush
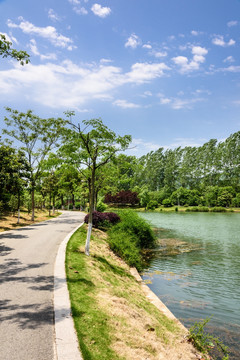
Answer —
(167, 203)
(218, 209)
(124, 245)
(153, 204)
(130, 236)
(101, 207)
(198, 209)
(133, 224)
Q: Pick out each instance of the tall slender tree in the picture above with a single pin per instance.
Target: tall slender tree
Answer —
(37, 136)
(92, 145)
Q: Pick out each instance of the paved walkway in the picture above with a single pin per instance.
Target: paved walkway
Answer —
(27, 258)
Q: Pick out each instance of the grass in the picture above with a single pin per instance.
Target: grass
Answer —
(8, 221)
(112, 316)
(130, 237)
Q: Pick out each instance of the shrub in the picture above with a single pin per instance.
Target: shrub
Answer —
(122, 197)
(218, 209)
(198, 209)
(130, 236)
(133, 224)
(101, 206)
(167, 203)
(102, 219)
(236, 201)
(124, 245)
(153, 204)
(112, 217)
(70, 206)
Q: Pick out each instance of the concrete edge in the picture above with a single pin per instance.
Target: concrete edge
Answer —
(66, 345)
(154, 299)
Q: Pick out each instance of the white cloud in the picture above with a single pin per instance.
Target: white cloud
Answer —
(53, 16)
(183, 142)
(219, 41)
(69, 85)
(198, 50)
(232, 23)
(133, 41)
(146, 94)
(48, 32)
(74, 2)
(124, 104)
(78, 8)
(229, 59)
(100, 11)
(147, 46)
(231, 68)
(178, 103)
(195, 33)
(140, 147)
(35, 51)
(160, 54)
(187, 65)
(144, 72)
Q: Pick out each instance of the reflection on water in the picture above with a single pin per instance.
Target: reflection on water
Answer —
(196, 270)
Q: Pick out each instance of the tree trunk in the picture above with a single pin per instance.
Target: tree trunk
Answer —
(73, 202)
(91, 208)
(53, 209)
(19, 203)
(33, 203)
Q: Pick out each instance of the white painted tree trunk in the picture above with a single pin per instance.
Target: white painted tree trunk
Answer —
(87, 245)
(18, 216)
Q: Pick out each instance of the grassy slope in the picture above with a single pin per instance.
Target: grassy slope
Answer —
(113, 318)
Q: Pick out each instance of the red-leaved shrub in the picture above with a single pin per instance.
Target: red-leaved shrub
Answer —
(99, 218)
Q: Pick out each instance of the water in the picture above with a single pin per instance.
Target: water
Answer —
(202, 278)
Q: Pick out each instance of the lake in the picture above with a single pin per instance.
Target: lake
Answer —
(196, 273)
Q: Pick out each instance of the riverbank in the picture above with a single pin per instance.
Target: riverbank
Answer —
(178, 209)
(112, 315)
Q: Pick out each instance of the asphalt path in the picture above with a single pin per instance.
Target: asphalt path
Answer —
(27, 258)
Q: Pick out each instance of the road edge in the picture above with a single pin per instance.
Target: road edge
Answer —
(66, 342)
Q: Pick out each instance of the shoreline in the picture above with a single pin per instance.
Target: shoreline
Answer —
(154, 299)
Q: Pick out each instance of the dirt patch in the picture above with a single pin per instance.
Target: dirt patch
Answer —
(9, 221)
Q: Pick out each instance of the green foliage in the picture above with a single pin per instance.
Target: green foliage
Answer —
(130, 236)
(1, 207)
(198, 209)
(236, 201)
(218, 209)
(7, 51)
(167, 203)
(153, 204)
(101, 207)
(13, 203)
(205, 342)
(125, 245)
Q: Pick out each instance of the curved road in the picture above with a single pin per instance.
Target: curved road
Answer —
(27, 257)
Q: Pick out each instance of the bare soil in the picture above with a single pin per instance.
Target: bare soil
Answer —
(8, 221)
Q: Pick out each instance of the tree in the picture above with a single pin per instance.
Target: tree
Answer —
(38, 137)
(13, 170)
(92, 149)
(6, 51)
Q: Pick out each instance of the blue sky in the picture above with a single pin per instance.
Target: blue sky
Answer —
(165, 72)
